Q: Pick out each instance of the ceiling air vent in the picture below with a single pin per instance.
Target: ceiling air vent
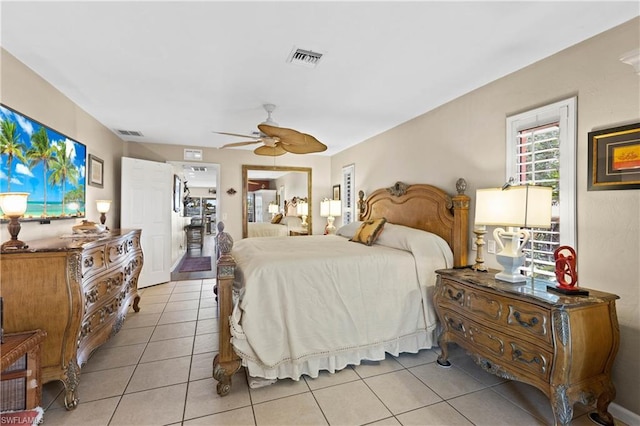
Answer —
(129, 133)
(193, 154)
(306, 58)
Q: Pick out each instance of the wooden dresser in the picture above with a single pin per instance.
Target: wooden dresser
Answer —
(77, 290)
(563, 345)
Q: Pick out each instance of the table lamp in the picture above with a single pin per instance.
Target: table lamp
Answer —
(513, 208)
(330, 209)
(103, 207)
(303, 210)
(13, 205)
(273, 209)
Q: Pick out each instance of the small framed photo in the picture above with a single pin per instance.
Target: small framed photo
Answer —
(614, 158)
(336, 192)
(96, 171)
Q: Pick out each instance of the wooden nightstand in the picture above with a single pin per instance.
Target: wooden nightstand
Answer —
(298, 232)
(563, 345)
(21, 370)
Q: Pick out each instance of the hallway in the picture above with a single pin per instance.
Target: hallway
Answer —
(208, 249)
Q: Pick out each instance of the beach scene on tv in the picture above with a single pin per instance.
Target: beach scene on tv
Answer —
(47, 165)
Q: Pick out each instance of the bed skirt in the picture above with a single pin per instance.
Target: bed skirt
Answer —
(312, 364)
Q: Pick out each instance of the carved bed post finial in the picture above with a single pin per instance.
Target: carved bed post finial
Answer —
(461, 186)
(224, 241)
(361, 203)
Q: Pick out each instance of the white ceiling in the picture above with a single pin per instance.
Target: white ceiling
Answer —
(176, 71)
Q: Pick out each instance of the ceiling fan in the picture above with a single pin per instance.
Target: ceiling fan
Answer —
(277, 140)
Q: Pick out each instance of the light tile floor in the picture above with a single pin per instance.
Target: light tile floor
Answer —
(157, 371)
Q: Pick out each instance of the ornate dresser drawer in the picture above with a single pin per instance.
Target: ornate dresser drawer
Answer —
(529, 320)
(93, 261)
(563, 345)
(534, 360)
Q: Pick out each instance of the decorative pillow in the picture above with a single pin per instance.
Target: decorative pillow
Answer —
(349, 230)
(369, 231)
(277, 218)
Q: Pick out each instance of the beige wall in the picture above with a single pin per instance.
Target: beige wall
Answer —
(24, 91)
(466, 138)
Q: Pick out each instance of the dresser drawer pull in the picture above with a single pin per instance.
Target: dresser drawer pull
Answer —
(517, 354)
(457, 297)
(459, 326)
(88, 262)
(532, 323)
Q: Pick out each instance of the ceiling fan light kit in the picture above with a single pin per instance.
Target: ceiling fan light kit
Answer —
(278, 140)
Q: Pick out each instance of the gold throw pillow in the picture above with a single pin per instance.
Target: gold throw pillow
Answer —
(369, 231)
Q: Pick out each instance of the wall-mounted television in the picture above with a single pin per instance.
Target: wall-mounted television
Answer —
(48, 165)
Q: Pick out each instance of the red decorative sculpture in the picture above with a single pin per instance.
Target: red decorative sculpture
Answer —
(566, 270)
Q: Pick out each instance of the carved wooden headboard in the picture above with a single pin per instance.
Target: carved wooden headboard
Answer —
(425, 207)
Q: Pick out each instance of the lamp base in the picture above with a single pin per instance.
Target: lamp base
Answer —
(511, 272)
(330, 229)
(13, 245)
(479, 265)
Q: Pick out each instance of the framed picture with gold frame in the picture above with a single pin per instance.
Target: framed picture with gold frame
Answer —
(614, 158)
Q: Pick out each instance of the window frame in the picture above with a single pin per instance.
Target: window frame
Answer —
(349, 209)
(564, 112)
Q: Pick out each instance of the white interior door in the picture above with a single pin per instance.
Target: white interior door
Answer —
(146, 204)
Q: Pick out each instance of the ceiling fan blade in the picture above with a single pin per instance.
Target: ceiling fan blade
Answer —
(271, 151)
(311, 145)
(239, 135)
(286, 136)
(231, 145)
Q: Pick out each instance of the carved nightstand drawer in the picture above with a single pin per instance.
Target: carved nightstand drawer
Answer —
(501, 348)
(525, 319)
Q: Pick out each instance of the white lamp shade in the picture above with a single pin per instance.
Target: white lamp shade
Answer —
(273, 208)
(13, 203)
(103, 205)
(303, 208)
(526, 206)
(330, 208)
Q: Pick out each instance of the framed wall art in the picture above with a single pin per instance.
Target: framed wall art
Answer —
(336, 192)
(96, 171)
(614, 158)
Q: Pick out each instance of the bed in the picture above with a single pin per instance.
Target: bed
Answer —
(290, 307)
(268, 229)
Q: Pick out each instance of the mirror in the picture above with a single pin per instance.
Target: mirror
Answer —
(272, 184)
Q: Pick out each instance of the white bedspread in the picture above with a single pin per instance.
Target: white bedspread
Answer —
(266, 229)
(323, 302)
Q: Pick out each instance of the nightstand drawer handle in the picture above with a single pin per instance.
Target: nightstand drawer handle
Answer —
(517, 354)
(457, 297)
(455, 326)
(531, 323)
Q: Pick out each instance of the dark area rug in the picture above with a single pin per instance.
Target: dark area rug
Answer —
(193, 264)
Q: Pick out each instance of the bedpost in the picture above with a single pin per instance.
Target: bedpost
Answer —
(226, 362)
(461, 224)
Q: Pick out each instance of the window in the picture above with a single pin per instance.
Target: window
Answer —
(349, 196)
(541, 150)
